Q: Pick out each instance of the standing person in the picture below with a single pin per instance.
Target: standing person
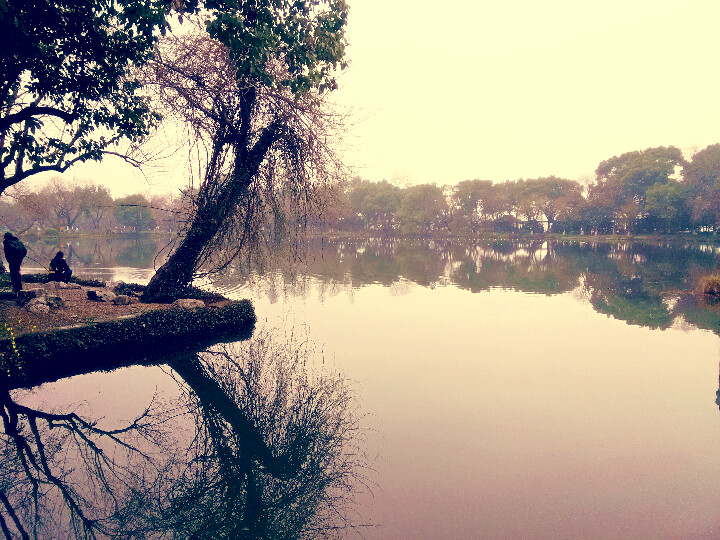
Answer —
(14, 254)
(59, 269)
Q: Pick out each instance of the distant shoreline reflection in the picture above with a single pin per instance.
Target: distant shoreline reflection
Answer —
(642, 284)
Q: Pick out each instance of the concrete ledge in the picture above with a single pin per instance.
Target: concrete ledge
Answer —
(35, 358)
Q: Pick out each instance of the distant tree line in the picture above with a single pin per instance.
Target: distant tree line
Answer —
(650, 191)
(86, 207)
(642, 192)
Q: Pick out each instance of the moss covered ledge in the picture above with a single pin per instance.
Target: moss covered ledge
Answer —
(34, 358)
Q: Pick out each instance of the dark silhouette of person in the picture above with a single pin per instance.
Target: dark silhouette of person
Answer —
(15, 252)
(59, 269)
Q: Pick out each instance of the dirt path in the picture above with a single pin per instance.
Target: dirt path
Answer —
(77, 309)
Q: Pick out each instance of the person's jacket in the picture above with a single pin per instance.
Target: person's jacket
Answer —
(14, 249)
(59, 265)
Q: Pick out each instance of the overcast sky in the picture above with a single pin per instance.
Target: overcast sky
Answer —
(447, 91)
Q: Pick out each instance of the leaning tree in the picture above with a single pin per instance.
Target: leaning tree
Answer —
(250, 85)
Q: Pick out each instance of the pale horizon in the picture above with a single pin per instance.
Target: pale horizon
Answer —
(508, 91)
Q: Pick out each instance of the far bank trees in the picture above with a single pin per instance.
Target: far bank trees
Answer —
(621, 182)
(376, 203)
(87, 208)
(702, 175)
(134, 212)
(656, 190)
(423, 209)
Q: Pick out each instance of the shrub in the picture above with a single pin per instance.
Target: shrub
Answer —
(710, 285)
(129, 289)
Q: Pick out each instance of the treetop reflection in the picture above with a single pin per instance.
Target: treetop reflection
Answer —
(257, 445)
(642, 284)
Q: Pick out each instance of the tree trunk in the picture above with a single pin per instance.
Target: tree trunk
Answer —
(212, 396)
(217, 203)
(177, 273)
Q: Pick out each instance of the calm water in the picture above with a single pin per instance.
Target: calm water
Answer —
(509, 391)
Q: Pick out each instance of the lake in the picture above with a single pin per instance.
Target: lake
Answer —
(508, 390)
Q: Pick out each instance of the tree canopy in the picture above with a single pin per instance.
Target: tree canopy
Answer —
(67, 90)
(627, 177)
(376, 202)
(702, 173)
(133, 211)
(421, 209)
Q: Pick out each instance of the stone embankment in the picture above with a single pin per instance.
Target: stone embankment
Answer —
(56, 330)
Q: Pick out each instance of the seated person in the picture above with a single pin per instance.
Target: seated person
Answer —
(59, 269)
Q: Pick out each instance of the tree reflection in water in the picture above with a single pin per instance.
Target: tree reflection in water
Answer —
(642, 284)
(259, 445)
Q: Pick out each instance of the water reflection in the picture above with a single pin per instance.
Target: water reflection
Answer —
(642, 284)
(256, 444)
(501, 414)
(89, 253)
(513, 399)
(647, 285)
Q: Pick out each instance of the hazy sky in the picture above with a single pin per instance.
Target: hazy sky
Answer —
(443, 92)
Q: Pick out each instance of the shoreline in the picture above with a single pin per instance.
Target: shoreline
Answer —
(486, 235)
(34, 358)
(58, 330)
